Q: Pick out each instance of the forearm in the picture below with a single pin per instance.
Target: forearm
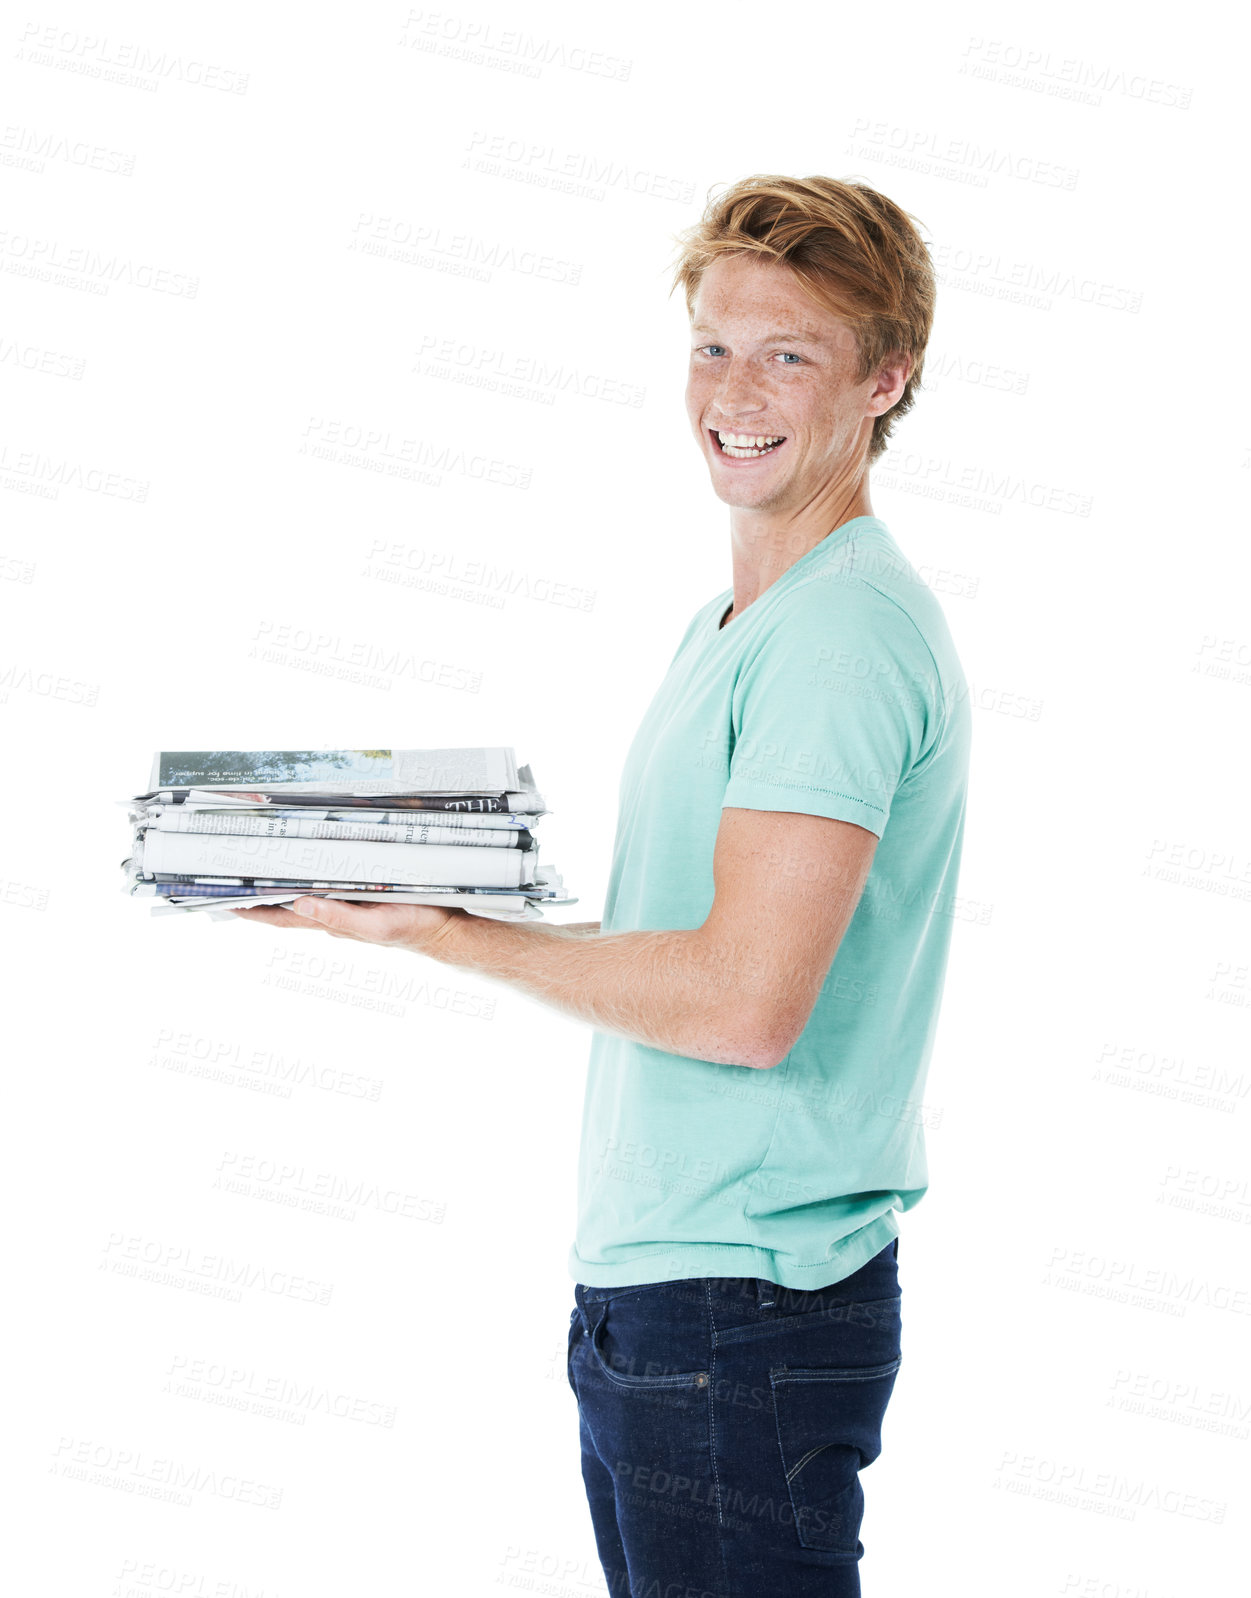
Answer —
(675, 991)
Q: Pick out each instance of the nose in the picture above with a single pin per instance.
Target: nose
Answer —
(737, 394)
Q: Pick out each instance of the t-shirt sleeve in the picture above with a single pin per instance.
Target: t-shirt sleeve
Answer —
(834, 708)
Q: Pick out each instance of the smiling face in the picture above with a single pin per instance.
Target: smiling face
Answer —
(772, 395)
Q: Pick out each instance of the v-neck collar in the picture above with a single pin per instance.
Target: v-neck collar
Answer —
(801, 567)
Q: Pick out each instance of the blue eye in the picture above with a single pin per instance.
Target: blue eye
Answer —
(719, 349)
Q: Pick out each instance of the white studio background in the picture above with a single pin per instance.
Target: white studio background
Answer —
(343, 406)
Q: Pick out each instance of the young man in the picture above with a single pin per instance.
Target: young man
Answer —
(765, 983)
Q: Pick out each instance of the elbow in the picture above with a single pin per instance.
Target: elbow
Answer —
(770, 1039)
(767, 1056)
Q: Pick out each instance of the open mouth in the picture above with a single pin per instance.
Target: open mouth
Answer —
(746, 446)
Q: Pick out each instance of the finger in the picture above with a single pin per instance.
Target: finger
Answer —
(274, 915)
(342, 918)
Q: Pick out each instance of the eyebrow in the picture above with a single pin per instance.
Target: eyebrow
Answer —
(800, 335)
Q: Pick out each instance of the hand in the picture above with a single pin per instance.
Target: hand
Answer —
(419, 927)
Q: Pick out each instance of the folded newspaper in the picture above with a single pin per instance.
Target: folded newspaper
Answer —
(222, 829)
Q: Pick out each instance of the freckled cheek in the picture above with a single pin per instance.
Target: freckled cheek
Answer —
(698, 394)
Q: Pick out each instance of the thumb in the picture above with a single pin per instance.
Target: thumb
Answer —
(314, 909)
(339, 919)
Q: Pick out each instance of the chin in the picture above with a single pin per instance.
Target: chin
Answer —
(739, 498)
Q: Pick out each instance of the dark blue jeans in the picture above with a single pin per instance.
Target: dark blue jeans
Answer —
(724, 1423)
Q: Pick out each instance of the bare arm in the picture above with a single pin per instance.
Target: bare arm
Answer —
(667, 989)
(737, 990)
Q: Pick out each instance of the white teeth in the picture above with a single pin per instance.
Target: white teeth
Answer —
(750, 443)
(750, 440)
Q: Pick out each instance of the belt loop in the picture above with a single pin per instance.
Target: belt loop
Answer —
(766, 1293)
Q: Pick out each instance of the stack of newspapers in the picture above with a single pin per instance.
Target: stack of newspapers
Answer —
(224, 828)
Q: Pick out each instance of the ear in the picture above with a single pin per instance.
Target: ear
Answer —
(892, 377)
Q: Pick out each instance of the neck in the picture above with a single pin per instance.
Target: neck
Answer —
(763, 546)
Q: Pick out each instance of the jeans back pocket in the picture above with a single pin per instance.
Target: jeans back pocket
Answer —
(829, 1424)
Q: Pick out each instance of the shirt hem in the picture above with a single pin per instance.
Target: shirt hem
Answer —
(682, 1261)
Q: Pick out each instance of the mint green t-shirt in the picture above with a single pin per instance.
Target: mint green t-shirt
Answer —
(836, 692)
